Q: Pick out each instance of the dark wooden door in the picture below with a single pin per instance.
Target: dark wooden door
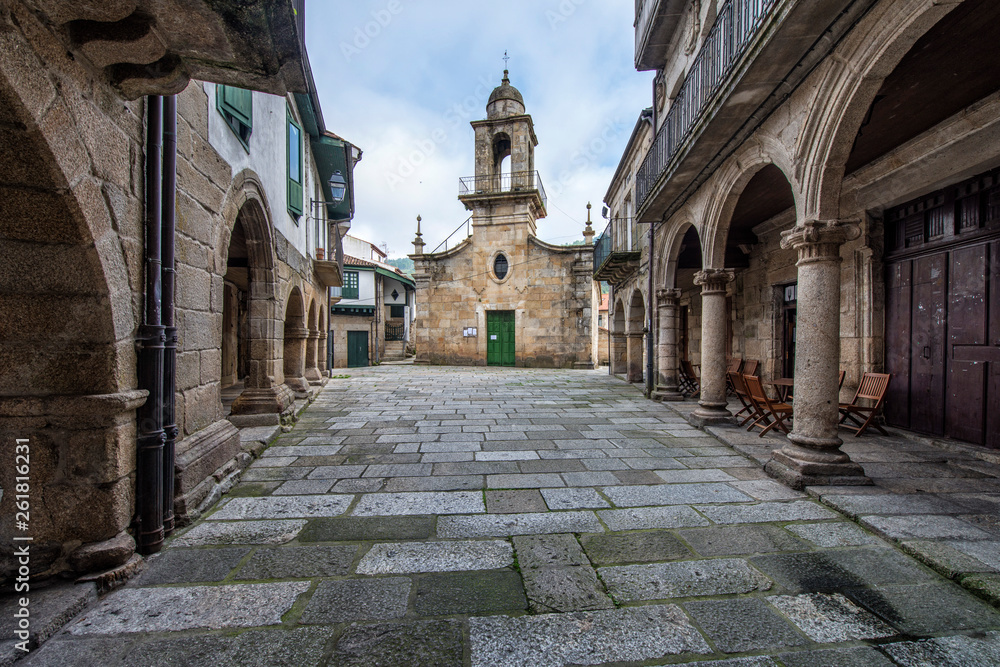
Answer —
(943, 343)
(357, 349)
(928, 337)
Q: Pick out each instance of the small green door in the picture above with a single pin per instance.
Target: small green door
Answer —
(500, 338)
(357, 349)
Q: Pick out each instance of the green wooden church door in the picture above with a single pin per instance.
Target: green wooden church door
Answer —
(500, 338)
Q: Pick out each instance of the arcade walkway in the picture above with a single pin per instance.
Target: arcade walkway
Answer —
(439, 516)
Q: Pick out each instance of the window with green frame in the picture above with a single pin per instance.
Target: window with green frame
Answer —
(350, 289)
(396, 312)
(294, 155)
(236, 107)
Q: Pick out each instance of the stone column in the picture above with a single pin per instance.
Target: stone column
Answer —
(667, 385)
(634, 354)
(263, 393)
(812, 454)
(712, 403)
(619, 353)
(313, 373)
(294, 358)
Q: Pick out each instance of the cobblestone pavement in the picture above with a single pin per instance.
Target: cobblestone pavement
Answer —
(440, 516)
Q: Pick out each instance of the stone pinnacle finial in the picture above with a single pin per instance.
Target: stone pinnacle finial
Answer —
(588, 232)
(418, 240)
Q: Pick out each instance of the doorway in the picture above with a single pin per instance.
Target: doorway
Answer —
(500, 338)
(788, 316)
(357, 349)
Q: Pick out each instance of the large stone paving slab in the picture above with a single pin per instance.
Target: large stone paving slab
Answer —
(284, 507)
(240, 532)
(175, 566)
(437, 643)
(802, 510)
(661, 581)
(470, 593)
(584, 638)
(450, 556)
(358, 600)
(675, 494)
(299, 562)
(678, 516)
(743, 624)
(518, 524)
(187, 608)
(444, 502)
(956, 651)
(826, 618)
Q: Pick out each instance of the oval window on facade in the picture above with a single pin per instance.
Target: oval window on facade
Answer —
(500, 266)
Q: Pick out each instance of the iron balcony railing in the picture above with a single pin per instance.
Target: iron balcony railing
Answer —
(519, 181)
(737, 23)
(620, 236)
(602, 248)
(395, 331)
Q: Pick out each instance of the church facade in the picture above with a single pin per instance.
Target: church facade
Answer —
(503, 297)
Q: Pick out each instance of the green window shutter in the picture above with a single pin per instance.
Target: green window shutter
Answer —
(237, 102)
(294, 152)
(236, 106)
(350, 289)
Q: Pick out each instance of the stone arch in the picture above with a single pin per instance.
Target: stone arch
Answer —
(67, 314)
(246, 205)
(636, 313)
(847, 89)
(636, 335)
(295, 337)
(618, 320)
(732, 179)
(617, 325)
(668, 249)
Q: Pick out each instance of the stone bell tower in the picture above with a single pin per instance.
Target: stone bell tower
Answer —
(510, 197)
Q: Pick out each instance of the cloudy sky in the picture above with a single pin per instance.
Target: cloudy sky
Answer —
(402, 79)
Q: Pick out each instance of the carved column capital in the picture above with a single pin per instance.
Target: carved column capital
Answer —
(667, 298)
(714, 280)
(820, 240)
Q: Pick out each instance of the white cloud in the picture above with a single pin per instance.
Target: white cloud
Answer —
(403, 78)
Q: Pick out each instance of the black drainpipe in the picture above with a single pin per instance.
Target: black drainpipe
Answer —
(150, 343)
(170, 351)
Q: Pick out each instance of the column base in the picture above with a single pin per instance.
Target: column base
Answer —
(313, 375)
(707, 415)
(800, 466)
(667, 394)
(799, 479)
(273, 400)
(299, 385)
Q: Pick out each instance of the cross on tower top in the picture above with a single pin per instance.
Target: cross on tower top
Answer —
(505, 59)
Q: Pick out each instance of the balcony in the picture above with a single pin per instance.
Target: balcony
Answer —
(616, 252)
(656, 21)
(756, 53)
(329, 266)
(737, 24)
(526, 182)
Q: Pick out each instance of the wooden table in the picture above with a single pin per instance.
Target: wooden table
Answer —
(783, 386)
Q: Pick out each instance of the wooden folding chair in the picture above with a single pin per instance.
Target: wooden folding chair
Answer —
(689, 379)
(872, 388)
(749, 407)
(750, 367)
(772, 413)
(733, 365)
